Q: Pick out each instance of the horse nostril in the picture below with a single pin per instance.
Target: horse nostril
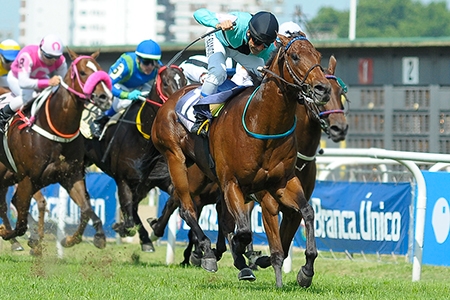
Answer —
(323, 91)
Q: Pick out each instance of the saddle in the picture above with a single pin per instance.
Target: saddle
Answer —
(185, 105)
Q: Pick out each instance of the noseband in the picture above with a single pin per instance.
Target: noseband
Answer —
(88, 86)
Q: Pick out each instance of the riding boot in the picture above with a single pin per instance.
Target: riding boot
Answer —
(200, 126)
(98, 124)
(5, 114)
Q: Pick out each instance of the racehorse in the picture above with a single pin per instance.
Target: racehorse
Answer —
(127, 154)
(253, 149)
(43, 146)
(312, 119)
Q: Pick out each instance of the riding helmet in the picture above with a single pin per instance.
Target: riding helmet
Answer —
(9, 49)
(264, 27)
(148, 49)
(289, 27)
(52, 44)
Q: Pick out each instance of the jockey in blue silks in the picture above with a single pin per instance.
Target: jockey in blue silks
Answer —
(131, 75)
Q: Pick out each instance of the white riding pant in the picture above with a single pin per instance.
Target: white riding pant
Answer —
(4, 81)
(217, 55)
(119, 104)
(22, 96)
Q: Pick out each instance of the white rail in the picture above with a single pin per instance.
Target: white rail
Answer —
(409, 160)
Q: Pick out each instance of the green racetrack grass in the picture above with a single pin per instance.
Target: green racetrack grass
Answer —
(122, 271)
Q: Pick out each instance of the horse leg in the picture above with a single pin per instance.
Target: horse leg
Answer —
(193, 257)
(37, 228)
(296, 202)
(239, 212)
(306, 273)
(80, 196)
(159, 225)
(226, 225)
(146, 243)
(270, 209)
(127, 227)
(178, 173)
(15, 245)
(21, 200)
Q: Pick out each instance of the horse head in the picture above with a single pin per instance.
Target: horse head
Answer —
(332, 114)
(86, 79)
(169, 80)
(299, 66)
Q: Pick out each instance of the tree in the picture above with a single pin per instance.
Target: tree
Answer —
(385, 18)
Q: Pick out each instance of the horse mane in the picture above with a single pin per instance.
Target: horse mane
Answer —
(278, 45)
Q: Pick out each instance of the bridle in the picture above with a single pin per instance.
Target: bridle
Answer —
(158, 86)
(305, 90)
(93, 79)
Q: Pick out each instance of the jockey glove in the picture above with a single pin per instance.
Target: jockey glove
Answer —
(134, 95)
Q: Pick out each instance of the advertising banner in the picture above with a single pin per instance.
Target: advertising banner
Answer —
(436, 244)
(102, 191)
(369, 217)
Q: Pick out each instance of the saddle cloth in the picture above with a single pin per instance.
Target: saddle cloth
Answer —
(185, 105)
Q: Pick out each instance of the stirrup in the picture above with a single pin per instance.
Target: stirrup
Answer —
(203, 129)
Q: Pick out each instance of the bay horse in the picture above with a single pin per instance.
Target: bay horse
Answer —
(329, 118)
(312, 120)
(253, 148)
(126, 153)
(44, 147)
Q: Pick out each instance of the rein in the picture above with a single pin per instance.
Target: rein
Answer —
(91, 82)
(264, 136)
(87, 87)
(298, 85)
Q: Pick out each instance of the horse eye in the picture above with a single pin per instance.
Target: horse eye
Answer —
(294, 56)
(82, 73)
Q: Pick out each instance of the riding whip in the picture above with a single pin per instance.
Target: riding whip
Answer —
(176, 56)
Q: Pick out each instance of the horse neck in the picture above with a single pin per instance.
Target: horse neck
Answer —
(64, 111)
(308, 132)
(277, 108)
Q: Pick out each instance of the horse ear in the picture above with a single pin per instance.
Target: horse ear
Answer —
(72, 53)
(332, 65)
(95, 54)
(283, 39)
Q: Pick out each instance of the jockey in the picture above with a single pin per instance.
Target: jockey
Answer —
(8, 52)
(195, 68)
(249, 41)
(31, 71)
(130, 75)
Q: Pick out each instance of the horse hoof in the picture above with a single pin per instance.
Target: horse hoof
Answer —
(209, 264)
(195, 260)
(120, 229)
(303, 280)
(16, 246)
(100, 241)
(33, 243)
(147, 248)
(154, 237)
(246, 274)
(152, 221)
(263, 262)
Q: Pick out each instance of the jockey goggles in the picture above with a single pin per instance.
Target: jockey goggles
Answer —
(49, 56)
(6, 61)
(258, 42)
(146, 61)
